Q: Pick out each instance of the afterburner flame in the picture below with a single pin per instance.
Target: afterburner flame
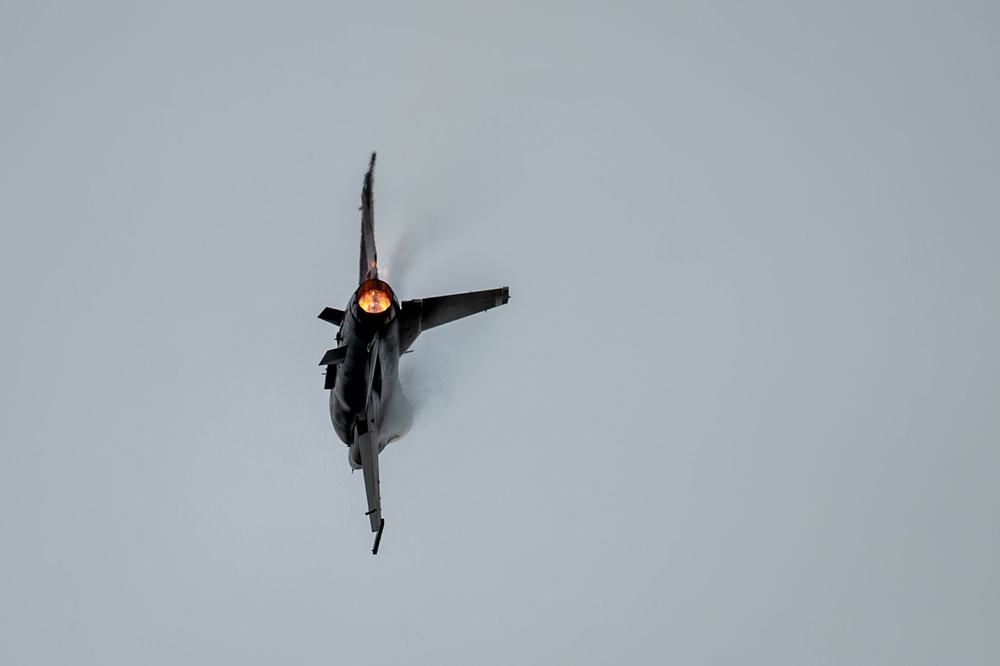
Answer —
(374, 301)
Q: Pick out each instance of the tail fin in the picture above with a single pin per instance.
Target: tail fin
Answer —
(369, 258)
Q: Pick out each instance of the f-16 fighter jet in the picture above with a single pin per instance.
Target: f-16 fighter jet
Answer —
(367, 404)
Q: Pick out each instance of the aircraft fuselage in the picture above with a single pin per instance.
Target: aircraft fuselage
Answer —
(367, 405)
(360, 330)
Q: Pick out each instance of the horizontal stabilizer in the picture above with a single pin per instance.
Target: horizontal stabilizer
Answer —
(423, 313)
(334, 356)
(332, 315)
(439, 310)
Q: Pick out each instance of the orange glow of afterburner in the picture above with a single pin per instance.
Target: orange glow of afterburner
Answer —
(374, 301)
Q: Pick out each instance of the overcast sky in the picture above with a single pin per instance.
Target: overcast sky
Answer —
(743, 406)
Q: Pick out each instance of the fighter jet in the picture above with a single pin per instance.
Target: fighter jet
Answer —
(367, 405)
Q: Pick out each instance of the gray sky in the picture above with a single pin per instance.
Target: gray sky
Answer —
(742, 407)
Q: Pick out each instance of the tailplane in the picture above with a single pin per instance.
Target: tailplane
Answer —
(420, 314)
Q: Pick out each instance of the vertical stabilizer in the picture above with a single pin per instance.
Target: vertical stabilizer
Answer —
(369, 259)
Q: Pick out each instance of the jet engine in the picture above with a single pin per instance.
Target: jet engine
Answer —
(374, 296)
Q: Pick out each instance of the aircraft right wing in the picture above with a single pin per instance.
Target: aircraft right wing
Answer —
(423, 313)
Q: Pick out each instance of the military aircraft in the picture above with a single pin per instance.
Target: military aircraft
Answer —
(367, 404)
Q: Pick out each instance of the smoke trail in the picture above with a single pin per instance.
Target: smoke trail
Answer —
(404, 250)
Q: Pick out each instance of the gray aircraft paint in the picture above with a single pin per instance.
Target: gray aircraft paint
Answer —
(770, 227)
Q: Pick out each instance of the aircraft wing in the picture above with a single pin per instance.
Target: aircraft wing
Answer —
(423, 313)
(366, 439)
